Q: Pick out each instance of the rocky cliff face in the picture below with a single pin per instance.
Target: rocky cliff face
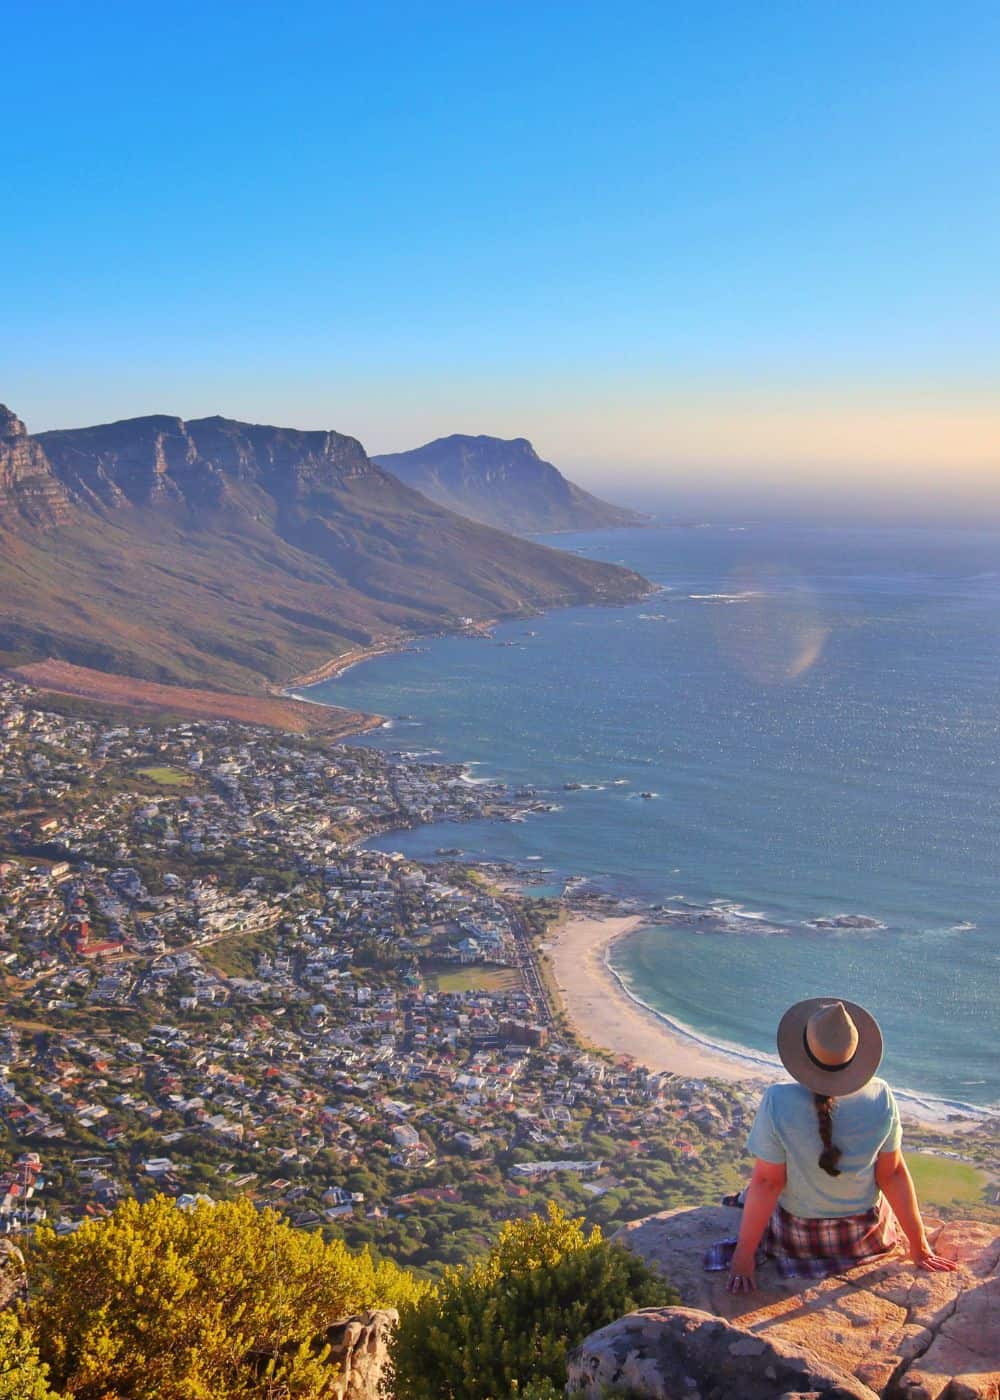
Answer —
(884, 1329)
(13, 1274)
(503, 482)
(360, 1349)
(160, 459)
(27, 485)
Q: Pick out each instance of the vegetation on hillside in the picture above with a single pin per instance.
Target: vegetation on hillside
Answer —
(505, 1324)
(225, 1302)
(158, 1303)
(23, 1375)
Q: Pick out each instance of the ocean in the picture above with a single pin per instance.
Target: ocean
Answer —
(815, 717)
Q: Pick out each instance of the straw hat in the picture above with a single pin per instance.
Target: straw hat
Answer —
(831, 1046)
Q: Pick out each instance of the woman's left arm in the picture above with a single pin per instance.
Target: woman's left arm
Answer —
(893, 1178)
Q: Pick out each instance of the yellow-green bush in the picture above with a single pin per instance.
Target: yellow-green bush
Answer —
(22, 1375)
(219, 1303)
(504, 1326)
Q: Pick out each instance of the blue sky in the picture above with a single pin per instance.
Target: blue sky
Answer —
(664, 241)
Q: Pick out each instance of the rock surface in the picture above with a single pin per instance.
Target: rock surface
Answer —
(680, 1352)
(13, 1274)
(900, 1332)
(360, 1347)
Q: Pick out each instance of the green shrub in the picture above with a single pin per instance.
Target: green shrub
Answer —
(22, 1375)
(503, 1327)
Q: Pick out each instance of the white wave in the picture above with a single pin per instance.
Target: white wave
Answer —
(847, 923)
(729, 906)
(938, 1110)
(725, 597)
(728, 1050)
(925, 1106)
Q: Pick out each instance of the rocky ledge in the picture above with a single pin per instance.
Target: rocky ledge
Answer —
(883, 1329)
(360, 1347)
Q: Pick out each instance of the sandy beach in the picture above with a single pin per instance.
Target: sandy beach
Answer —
(604, 1014)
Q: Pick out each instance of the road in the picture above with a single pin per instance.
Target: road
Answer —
(527, 963)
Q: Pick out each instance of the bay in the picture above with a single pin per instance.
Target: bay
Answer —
(816, 715)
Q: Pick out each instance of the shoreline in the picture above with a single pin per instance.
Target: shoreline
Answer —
(336, 666)
(601, 1010)
(605, 1012)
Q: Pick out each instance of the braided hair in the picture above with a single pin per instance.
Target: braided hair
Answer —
(831, 1154)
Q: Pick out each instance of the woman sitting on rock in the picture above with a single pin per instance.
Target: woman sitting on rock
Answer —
(828, 1165)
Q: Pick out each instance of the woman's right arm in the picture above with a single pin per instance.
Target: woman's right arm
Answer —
(766, 1185)
(892, 1176)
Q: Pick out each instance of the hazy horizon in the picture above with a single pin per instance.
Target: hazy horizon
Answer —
(693, 491)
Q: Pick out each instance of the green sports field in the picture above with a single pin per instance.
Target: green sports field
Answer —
(479, 979)
(168, 777)
(942, 1182)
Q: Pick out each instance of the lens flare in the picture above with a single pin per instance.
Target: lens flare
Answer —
(769, 624)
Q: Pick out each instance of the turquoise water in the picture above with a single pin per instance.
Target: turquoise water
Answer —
(818, 715)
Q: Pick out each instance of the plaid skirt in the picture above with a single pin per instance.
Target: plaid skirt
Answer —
(814, 1248)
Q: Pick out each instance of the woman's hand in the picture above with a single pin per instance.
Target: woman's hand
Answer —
(741, 1273)
(925, 1258)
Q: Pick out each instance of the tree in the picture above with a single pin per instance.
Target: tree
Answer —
(506, 1323)
(158, 1303)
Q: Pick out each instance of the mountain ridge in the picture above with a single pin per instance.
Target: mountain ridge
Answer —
(233, 555)
(505, 483)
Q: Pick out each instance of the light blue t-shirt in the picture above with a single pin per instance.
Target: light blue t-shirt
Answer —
(786, 1129)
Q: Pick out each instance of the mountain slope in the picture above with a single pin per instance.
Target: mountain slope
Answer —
(228, 554)
(502, 482)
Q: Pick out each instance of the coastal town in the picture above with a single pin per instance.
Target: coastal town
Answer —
(211, 987)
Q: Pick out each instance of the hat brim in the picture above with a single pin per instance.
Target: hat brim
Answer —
(835, 1082)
